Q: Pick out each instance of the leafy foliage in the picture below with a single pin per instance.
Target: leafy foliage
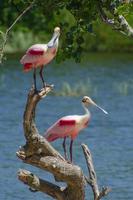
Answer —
(75, 17)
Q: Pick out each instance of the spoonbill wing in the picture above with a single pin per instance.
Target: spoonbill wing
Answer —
(62, 128)
(37, 49)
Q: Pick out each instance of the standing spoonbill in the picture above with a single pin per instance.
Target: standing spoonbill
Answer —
(70, 126)
(39, 55)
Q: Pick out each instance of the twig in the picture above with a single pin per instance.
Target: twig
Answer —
(9, 29)
(104, 192)
(103, 15)
(92, 174)
(92, 180)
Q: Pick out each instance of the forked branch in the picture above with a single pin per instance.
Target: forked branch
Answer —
(92, 180)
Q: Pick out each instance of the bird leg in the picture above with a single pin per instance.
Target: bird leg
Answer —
(64, 147)
(71, 145)
(34, 77)
(41, 75)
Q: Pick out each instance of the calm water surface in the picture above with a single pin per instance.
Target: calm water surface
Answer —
(109, 81)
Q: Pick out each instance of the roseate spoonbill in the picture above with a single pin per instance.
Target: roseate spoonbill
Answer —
(39, 55)
(70, 126)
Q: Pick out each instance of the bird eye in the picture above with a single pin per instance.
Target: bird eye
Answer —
(84, 100)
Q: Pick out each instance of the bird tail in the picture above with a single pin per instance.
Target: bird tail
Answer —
(51, 137)
(27, 67)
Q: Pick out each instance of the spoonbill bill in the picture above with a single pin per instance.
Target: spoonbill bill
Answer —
(70, 126)
(39, 55)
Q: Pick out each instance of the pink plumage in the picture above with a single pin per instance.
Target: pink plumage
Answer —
(33, 51)
(39, 55)
(70, 126)
(68, 122)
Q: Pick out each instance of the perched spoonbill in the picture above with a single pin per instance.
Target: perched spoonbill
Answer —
(39, 55)
(70, 126)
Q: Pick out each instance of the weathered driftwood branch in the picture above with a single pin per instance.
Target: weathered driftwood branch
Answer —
(92, 180)
(40, 185)
(35, 142)
(64, 171)
(38, 152)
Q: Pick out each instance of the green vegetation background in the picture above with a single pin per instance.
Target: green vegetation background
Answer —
(37, 27)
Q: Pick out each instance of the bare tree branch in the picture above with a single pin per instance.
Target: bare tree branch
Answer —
(38, 152)
(63, 171)
(104, 192)
(92, 175)
(5, 36)
(35, 142)
(124, 27)
(41, 185)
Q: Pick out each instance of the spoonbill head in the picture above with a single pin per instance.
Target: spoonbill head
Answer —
(87, 101)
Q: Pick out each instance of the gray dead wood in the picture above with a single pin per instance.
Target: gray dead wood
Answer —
(41, 185)
(38, 152)
(92, 180)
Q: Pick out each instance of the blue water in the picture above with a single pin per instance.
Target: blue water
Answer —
(109, 137)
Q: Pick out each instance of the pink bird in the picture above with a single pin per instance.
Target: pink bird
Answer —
(70, 126)
(39, 55)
